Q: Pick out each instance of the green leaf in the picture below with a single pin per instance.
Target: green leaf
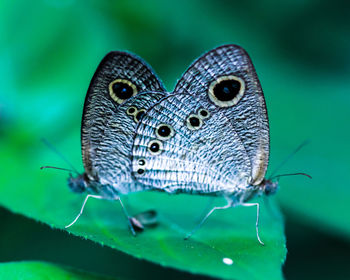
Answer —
(42, 270)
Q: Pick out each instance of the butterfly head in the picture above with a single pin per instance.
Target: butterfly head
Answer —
(78, 184)
(269, 187)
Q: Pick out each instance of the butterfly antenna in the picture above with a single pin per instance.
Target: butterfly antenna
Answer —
(59, 168)
(52, 148)
(291, 174)
(288, 158)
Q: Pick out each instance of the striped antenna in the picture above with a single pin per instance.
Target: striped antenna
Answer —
(52, 148)
(287, 159)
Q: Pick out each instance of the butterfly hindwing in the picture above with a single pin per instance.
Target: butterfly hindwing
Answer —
(192, 151)
(121, 81)
(224, 150)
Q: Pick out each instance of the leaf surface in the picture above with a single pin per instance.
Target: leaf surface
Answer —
(42, 270)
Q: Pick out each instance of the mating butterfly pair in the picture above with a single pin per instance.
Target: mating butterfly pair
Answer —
(209, 136)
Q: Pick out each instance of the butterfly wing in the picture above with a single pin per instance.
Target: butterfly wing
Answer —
(119, 83)
(248, 117)
(173, 154)
(219, 134)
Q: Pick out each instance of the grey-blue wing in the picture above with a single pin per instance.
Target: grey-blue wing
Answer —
(204, 158)
(122, 80)
(248, 117)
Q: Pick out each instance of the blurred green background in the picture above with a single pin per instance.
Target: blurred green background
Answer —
(50, 49)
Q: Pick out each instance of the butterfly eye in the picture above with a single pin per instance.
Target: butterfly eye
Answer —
(139, 115)
(121, 90)
(226, 91)
(164, 131)
(131, 110)
(203, 114)
(155, 147)
(193, 122)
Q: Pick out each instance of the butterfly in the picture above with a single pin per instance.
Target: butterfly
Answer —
(209, 136)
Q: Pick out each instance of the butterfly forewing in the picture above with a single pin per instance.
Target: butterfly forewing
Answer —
(119, 83)
(248, 117)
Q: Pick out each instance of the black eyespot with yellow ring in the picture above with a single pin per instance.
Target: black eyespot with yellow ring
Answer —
(131, 110)
(155, 147)
(121, 90)
(203, 113)
(226, 91)
(193, 122)
(164, 131)
(139, 115)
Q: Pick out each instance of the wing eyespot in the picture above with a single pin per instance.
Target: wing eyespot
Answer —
(226, 91)
(121, 90)
(131, 111)
(203, 113)
(140, 171)
(140, 166)
(141, 162)
(139, 114)
(164, 131)
(193, 122)
(155, 147)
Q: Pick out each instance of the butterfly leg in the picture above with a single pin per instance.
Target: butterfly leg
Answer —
(207, 207)
(101, 197)
(127, 217)
(257, 218)
(82, 208)
(206, 217)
